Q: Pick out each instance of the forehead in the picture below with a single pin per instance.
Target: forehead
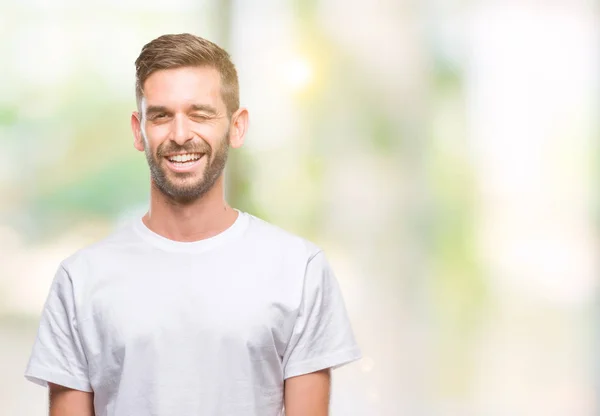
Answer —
(183, 86)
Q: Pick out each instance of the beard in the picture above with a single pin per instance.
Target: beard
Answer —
(185, 189)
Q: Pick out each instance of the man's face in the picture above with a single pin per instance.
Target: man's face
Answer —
(184, 131)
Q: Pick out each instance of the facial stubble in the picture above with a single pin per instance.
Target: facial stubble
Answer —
(188, 191)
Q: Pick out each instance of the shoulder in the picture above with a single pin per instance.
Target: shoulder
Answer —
(276, 240)
(102, 252)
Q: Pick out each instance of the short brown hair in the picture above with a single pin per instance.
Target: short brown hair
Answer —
(181, 50)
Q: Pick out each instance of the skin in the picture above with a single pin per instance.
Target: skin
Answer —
(182, 111)
(181, 92)
(308, 394)
(69, 402)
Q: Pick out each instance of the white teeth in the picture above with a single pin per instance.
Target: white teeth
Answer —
(184, 158)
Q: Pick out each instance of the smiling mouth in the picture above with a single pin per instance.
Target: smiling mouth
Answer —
(184, 159)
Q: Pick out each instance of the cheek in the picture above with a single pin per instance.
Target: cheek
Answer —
(206, 133)
(157, 132)
(155, 137)
(212, 134)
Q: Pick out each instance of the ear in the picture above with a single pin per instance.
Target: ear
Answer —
(239, 126)
(136, 128)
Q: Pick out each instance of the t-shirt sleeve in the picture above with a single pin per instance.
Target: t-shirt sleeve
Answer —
(322, 336)
(58, 356)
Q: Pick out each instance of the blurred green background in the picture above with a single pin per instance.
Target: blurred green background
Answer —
(444, 154)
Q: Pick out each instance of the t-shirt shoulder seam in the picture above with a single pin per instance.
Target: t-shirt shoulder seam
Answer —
(315, 254)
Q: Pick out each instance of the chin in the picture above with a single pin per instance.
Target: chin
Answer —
(187, 193)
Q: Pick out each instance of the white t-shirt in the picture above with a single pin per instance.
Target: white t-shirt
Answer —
(156, 327)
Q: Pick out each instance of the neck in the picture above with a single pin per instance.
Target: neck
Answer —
(203, 218)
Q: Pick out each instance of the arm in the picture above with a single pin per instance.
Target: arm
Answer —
(68, 402)
(308, 394)
(58, 360)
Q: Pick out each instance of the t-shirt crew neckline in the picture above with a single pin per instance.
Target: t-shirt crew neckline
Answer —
(235, 230)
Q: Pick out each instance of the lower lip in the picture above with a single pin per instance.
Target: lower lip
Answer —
(187, 167)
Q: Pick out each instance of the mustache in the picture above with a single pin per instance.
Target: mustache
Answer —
(171, 147)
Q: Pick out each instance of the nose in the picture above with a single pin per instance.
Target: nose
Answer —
(181, 131)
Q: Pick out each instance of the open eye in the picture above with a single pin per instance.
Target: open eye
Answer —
(158, 117)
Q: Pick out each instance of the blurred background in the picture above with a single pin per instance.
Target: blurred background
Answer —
(443, 153)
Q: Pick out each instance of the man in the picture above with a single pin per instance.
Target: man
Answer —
(196, 308)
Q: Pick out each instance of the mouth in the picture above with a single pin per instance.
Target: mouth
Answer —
(184, 162)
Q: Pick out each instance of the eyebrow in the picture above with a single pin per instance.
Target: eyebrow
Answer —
(154, 109)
